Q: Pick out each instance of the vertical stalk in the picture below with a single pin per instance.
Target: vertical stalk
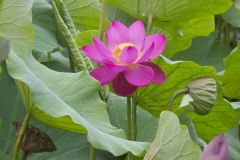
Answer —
(238, 132)
(138, 8)
(21, 136)
(132, 118)
(92, 153)
(149, 24)
(102, 19)
(222, 30)
(175, 95)
(227, 34)
(129, 116)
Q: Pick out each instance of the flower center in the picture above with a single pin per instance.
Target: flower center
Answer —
(117, 51)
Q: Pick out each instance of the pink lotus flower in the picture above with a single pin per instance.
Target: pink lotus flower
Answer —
(217, 149)
(125, 58)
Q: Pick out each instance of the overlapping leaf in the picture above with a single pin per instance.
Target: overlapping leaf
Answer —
(172, 141)
(180, 21)
(231, 78)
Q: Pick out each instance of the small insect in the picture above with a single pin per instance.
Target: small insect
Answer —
(34, 140)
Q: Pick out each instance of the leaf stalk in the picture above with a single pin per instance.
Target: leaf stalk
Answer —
(102, 19)
(21, 136)
(149, 24)
(174, 96)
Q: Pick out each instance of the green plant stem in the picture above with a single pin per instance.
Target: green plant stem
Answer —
(102, 19)
(92, 153)
(138, 8)
(131, 117)
(149, 24)
(134, 120)
(223, 24)
(175, 95)
(227, 34)
(21, 136)
(238, 132)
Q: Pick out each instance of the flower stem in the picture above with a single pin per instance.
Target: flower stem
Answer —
(138, 7)
(227, 34)
(149, 24)
(175, 95)
(102, 19)
(21, 136)
(131, 116)
(134, 120)
(92, 153)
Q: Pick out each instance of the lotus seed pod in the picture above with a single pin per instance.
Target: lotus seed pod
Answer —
(204, 93)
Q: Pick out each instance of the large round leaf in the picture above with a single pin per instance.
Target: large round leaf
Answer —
(69, 101)
(172, 141)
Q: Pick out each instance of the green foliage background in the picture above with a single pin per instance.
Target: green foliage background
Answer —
(202, 40)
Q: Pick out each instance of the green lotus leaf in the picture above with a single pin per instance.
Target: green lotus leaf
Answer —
(172, 141)
(230, 79)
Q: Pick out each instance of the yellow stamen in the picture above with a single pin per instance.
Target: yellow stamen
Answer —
(117, 51)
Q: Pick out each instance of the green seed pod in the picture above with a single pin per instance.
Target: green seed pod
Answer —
(204, 93)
